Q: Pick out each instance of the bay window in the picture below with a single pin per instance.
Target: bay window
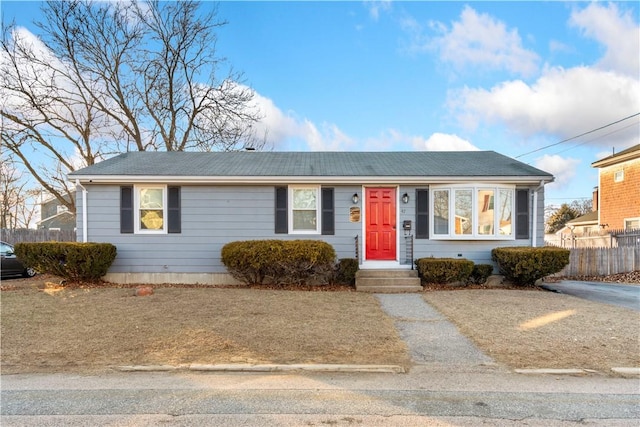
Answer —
(472, 211)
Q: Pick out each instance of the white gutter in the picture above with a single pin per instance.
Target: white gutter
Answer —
(534, 231)
(85, 228)
(268, 180)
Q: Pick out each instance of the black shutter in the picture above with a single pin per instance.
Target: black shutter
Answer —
(126, 209)
(328, 216)
(174, 222)
(522, 214)
(282, 223)
(422, 214)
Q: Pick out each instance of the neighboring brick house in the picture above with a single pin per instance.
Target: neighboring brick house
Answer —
(619, 190)
(56, 216)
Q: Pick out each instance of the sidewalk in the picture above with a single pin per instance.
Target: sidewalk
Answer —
(433, 341)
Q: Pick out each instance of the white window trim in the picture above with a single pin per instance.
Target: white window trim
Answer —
(290, 209)
(136, 208)
(630, 219)
(618, 176)
(475, 188)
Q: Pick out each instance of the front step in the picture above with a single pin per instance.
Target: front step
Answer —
(388, 281)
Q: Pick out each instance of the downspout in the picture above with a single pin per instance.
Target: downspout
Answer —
(534, 231)
(85, 228)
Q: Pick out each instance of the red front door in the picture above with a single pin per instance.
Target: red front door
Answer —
(381, 223)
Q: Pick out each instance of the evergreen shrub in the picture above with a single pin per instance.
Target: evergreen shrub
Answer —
(279, 262)
(525, 265)
(480, 273)
(70, 260)
(444, 270)
(346, 270)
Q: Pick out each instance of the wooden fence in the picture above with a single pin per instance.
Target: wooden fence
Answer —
(599, 239)
(32, 235)
(602, 261)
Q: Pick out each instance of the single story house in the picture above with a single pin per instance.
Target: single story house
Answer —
(170, 213)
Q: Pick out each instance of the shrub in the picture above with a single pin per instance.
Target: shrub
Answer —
(480, 273)
(525, 265)
(444, 270)
(279, 262)
(346, 271)
(69, 260)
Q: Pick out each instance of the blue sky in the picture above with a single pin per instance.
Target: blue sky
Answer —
(513, 77)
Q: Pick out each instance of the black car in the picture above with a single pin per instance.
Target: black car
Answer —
(11, 265)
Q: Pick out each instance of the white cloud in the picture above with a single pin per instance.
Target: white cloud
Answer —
(286, 132)
(442, 142)
(568, 102)
(281, 129)
(377, 6)
(561, 102)
(475, 40)
(616, 31)
(563, 169)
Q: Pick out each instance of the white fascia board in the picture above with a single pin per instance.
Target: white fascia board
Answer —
(359, 180)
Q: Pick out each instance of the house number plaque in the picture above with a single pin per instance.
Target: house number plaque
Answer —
(354, 214)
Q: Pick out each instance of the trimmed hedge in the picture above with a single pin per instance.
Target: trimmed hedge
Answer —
(525, 265)
(279, 262)
(69, 260)
(444, 270)
(480, 273)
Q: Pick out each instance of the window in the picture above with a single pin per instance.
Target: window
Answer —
(304, 209)
(618, 176)
(632, 224)
(150, 209)
(304, 202)
(478, 212)
(441, 211)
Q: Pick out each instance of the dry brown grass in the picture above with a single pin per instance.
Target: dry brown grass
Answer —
(90, 329)
(533, 329)
(87, 330)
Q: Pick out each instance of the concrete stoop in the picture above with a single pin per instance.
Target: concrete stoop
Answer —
(388, 281)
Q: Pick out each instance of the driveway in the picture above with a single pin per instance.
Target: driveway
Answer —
(622, 295)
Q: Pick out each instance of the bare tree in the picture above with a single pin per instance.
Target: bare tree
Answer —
(108, 77)
(17, 202)
(582, 206)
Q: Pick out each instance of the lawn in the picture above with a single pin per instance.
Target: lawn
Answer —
(93, 329)
(530, 329)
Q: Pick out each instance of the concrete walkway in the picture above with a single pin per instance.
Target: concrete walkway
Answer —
(433, 341)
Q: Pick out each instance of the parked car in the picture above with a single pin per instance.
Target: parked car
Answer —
(11, 265)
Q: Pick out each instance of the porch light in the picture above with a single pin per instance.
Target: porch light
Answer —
(405, 198)
(355, 198)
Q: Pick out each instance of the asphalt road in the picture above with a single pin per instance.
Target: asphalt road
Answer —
(621, 295)
(427, 397)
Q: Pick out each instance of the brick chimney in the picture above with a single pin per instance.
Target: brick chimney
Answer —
(594, 204)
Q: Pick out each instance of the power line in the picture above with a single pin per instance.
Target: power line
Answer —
(578, 136)
(596, 137)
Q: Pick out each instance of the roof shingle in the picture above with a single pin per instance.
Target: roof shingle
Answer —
(313, 164)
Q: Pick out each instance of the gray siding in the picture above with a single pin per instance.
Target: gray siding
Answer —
(211, 217)
(215, 215)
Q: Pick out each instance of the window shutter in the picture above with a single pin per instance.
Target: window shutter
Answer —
(174, 222)
(422, 214)
(126, 209)
(522, 214)
(328, 216)
(282, 223)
